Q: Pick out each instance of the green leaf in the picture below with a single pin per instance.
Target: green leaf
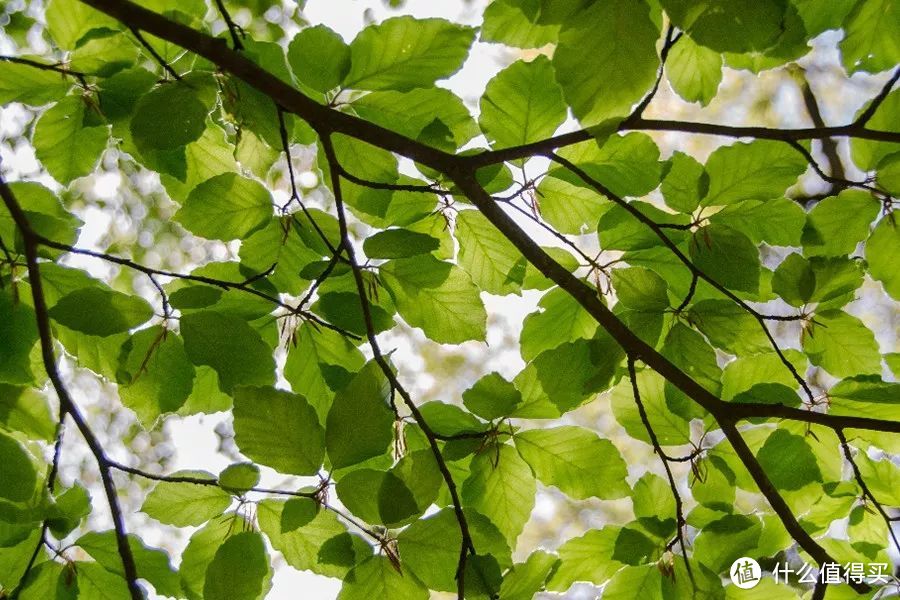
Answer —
(178, 106)
(628, 165)
(841, 344)
(747, 371)
(502, 488)
(670, 428)
(239, 477)
(592, 556)
(492, 397)
(65, 146)
(226, 207)
(494, 264)
(399, 243)
(430, 547)
(319, 58)
(837, 224)
(152, 563)
(322, 545)
(575, 460)
(568, 207)
(436, 296)
(278, 429)
(16, 470)
(391, 497)
(882, 477)
(868, 154)
(726, 539)
(777, 222)
(728, 25)
(449, 419)
(184, 504)
(18, 329)
(238, 570)
(420, 114)
(45, 214)
(562, 320)
(321, 362)
(794, 280)
(688, 351)
(155, 374)
(685, 183)
(100, 311)
(230, 346)
(377, 577)
(882, 248)
(640, 289)
(654, 505)
(506, 23)
(870, 41)
(619, 229)
(28, 85)
(50, 581)
(727, 256)
(694, 71)
(69, 20)
(793, 474)
(522, 104)
(601, 72)
(729, 327)
(26, 410)
(526, 579)
(96, 583)
(755, 170)
(360, 422)
(403, 53)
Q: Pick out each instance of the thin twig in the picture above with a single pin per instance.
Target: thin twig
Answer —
(58, 68)
(657, 448)
(867, 114)
(159, 59)
(234, 29)
(466, 545)
(867, 493)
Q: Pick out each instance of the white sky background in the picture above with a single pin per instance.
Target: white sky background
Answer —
(194, 437)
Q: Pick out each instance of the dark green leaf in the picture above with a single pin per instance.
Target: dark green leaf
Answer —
(728, 25)
(230, 346)
(238, 569)
(360, 422)
(727, 256)
(492, 397)
(399, 243)
(100, 311)
(278, 429)
(793, 474)
(16, 470)
(319, 58)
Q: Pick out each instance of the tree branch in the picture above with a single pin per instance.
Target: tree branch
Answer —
(67, 405)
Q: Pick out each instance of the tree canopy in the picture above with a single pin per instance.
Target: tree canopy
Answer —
(300, 202)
